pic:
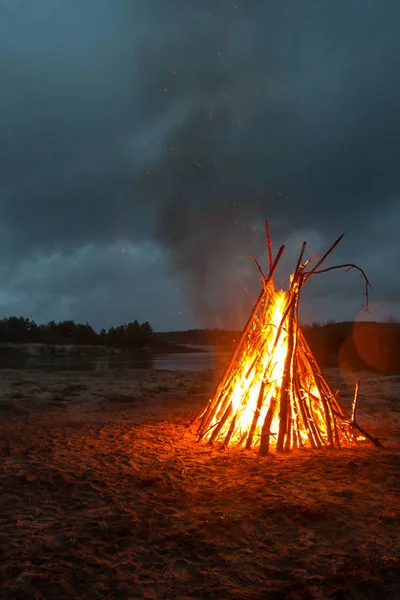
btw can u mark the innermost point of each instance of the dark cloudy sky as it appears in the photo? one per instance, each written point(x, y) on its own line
point(144, 142)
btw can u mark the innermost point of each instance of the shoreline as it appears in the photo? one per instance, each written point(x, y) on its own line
point(41, 350)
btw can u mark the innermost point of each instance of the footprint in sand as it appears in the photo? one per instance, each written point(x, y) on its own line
point(181, 569)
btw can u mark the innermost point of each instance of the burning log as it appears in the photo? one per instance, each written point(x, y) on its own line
point(273, 394)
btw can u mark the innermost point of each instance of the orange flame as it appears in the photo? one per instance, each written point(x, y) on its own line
point(255, 386)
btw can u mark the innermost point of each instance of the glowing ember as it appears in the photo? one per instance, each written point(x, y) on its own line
point(273, 394)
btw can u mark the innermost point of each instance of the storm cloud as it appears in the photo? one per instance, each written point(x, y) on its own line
point(144, 143)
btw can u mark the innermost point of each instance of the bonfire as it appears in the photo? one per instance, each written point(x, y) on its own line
point(272, 394)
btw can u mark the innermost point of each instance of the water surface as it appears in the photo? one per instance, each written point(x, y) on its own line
point(196, 361)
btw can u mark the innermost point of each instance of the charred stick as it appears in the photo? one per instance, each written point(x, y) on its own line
point(303, 247)
point(311, 414)
point(286, 393)
point(295, 364)
point(325, 405)
point(286, 388)
point(209, 414)
point(347, 267)
point(293, 368)
point(289, 431)
point(266, 428)
point(305, 416)
point(241, 439)
point(264, 279)
point(198, 415)
point(230, 431)
point(298, 413)
point(325, 256)
point(367, 435)
point(215, 411)
point(321, 399)
point(308, 403)
point(222, 422)
point(260, 400)
point(209, 429)
point(206, 418)
point(335, 423)
point(269, 244)
point(295, 438)
point(319, 440)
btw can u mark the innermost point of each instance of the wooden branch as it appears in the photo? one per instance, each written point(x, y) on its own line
point(286, 387)
point(290, 434)
point(346, 268)
point(325, 256)
point(355, 400)
point(222, 422)
point(257, 411)
point(266, 428)
point(199, 414)
point(230, 431)
point(264, 279)
point(269, 245)
point(309, 425)
point(368, 436)
point(325, 405)
point(303, 247)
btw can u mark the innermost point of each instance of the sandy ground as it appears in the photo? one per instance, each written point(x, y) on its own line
point(104, 493)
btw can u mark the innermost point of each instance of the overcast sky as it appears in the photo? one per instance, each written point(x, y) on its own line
point(144, 142)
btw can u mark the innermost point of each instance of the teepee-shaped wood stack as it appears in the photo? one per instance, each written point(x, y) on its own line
point(272, 394)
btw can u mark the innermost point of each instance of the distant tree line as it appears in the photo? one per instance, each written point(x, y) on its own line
point(201, 337)
point(363, 345)
point(22, 330)
point(360, 345)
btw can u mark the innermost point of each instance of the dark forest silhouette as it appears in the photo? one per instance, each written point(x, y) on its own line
point(21, 330)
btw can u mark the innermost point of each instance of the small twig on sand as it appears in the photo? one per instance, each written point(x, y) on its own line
point(355, 400)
